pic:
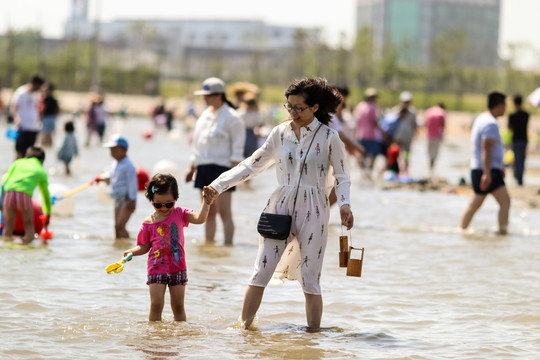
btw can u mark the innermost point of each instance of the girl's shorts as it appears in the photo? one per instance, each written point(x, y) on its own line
point(179, 278)
point(17, 200)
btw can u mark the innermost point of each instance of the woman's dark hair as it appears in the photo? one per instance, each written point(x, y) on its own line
point(317, 91)
point(69, 127)
point(35, 151)
point(225, 100)
point(161, 184)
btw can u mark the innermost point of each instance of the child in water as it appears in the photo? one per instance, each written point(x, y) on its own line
point(18, 184)
point(69, 147)
point(162, 234)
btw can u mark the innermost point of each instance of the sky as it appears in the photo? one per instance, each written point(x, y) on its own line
point(520, 19)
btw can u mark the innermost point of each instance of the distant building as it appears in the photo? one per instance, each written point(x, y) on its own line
point(193, 44)
point(412, 26)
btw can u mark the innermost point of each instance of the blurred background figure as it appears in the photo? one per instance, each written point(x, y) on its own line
point(69, 148)
point(518, 123)
point(162, 116)
point(368, 133)
point(240, 89)
point(338, 123)
point(252, 118)
point(96, 119)
point(406, 130)
point(218, 145)
point(435, 122)
point(49, 110)
point(24, 108)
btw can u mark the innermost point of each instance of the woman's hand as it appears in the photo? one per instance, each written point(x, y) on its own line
point(210, 194)
point(347, 217)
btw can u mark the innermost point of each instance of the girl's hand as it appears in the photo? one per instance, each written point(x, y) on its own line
point(347, 218)
point(126, 254)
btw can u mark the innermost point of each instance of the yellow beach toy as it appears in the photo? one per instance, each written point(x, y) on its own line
point(119, 265)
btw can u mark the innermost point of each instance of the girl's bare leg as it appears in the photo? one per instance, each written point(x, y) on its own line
point(177, 293)
point(157, 300)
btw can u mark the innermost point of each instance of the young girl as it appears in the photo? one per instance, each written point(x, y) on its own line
point(162, 233)
point(69, 147)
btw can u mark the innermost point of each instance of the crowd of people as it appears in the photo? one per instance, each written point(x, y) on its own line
point(310, 150)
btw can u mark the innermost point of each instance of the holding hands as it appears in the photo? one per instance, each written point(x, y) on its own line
point(210, 194)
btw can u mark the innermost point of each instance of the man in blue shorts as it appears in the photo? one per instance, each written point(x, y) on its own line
point(487, 174)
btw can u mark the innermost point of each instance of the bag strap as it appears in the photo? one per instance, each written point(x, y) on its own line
point(302, 169)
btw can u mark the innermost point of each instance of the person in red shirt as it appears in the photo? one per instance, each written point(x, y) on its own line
point(435, 122)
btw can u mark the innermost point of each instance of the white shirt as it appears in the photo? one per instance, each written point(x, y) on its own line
point(335, 123)
point(218, 138)
point(26, 105)
point(485, 126)
point(251, 119)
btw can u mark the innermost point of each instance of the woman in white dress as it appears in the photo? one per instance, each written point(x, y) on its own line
point(310, 103)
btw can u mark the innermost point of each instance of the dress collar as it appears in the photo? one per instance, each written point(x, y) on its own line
point(304, 130)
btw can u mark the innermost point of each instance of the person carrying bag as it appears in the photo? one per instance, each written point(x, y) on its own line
point(296, 146)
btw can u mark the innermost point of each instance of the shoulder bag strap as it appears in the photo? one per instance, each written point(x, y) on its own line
point(302, 168)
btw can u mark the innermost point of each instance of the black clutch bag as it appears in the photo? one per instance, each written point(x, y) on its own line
point(274, 226)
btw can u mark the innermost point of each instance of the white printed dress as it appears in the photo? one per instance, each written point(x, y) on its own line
point(301, 255)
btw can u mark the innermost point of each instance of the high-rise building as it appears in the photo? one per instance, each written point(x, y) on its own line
point(412, 27)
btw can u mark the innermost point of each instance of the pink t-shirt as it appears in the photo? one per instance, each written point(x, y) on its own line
point(166, 239)
point(366, 119)
point(435, 117)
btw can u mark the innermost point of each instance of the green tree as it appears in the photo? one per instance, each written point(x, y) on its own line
point(363, 58)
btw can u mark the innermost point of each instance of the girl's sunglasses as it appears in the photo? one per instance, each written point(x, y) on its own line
point(158, 205)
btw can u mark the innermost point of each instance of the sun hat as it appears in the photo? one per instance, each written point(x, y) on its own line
point(370, 92)
point(212, 85)
point(117, 140)
point(405, 96)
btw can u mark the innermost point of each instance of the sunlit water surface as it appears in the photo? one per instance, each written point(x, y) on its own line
point(428, 291)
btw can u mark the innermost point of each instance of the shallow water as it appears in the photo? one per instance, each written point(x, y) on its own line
point(427, 290)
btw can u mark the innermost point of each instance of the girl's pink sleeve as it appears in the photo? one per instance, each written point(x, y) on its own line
point(143, 237)
point(185, 216)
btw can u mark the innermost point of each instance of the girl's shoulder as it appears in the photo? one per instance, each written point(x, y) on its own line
point(177, 213)
point(149, 220)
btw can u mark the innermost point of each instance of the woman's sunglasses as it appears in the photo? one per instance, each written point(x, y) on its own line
point(158, 205)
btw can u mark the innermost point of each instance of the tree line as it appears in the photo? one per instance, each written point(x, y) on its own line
point(146, 70)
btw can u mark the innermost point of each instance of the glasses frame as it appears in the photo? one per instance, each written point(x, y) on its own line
point(159, 205)
point(289, 108)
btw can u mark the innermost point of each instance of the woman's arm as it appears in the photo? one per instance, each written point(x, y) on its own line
point(261, 159)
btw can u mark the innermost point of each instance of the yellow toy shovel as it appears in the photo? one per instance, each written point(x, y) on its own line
point(119, 265)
